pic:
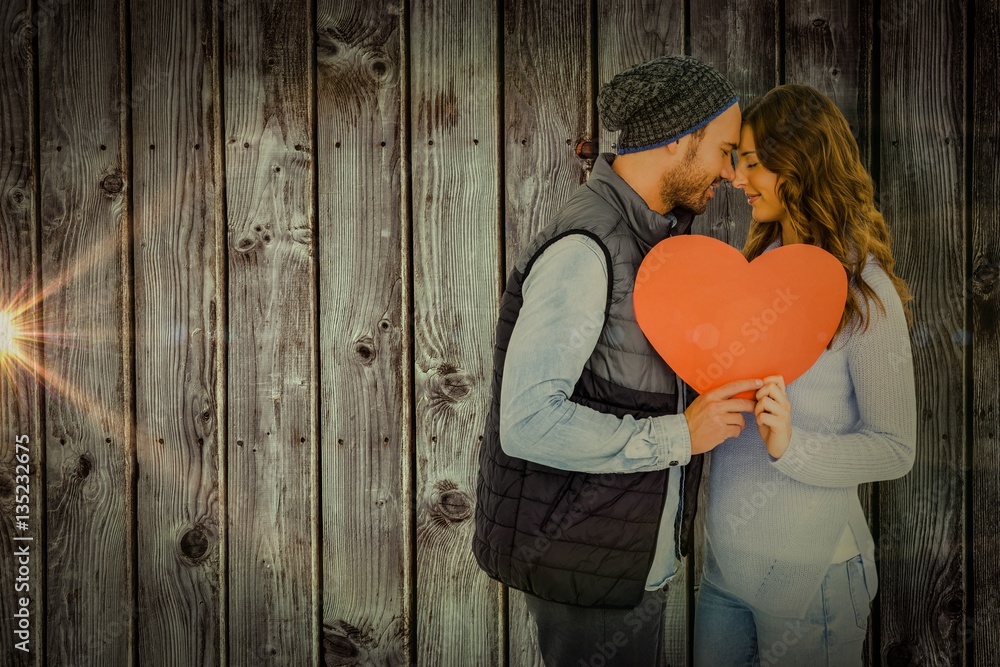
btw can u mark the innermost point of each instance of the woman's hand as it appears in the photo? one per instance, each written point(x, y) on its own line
point(774, 415)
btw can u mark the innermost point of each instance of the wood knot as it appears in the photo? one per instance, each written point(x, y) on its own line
point(112, 184)
point(380, 68)
point(587, 149)
point(452, 505)
point(819, 23)
point(984, 278)
point(84, 466)
point(364, 349)
point(900, 655)
point(344, 644)
point(194, 543)
point(17, 199)
point(955, 606)
point(246, 244)
point(6, 487)
point(449, 384)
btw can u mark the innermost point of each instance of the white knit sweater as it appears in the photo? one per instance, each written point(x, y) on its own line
point(773, 524)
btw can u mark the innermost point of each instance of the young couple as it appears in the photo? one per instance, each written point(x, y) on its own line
point(590, 466)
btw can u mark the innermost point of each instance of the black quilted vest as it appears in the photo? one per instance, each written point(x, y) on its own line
point(573, 537)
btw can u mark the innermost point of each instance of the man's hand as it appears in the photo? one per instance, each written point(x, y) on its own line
point(715, 415)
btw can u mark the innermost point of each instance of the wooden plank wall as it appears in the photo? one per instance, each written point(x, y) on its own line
point(266, 243)
point(20, 398)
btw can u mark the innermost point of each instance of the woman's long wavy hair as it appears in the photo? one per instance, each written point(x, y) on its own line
point(802, 136)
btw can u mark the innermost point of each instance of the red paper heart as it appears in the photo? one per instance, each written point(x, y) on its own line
point(715, 318)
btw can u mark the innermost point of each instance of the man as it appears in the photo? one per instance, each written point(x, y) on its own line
point(581, 492)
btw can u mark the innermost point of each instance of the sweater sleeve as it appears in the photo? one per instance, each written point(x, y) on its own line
point(882, 444)
point(557, 328)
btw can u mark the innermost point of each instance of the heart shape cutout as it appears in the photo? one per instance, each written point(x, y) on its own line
point(715, 318)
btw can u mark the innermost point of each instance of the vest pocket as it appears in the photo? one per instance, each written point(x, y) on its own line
point(565, 509)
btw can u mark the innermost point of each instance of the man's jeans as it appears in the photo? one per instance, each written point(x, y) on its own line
point(730, 633)
point(571, 636)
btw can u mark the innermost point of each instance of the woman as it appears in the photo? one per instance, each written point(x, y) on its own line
point(789, 570)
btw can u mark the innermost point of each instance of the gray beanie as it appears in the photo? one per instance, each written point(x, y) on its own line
point(658, 102)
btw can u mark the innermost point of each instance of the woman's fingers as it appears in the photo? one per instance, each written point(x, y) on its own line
point(768, 404)
point(769, 420)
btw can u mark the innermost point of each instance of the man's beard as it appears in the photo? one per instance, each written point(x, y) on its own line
point(686, 186)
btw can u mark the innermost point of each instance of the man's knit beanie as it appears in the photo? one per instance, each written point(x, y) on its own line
point(658, 102)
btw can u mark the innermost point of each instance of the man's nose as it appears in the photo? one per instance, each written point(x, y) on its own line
point(727, 173)
point(738, 179)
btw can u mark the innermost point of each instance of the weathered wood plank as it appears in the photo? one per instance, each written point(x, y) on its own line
point(629, 33)
point(548, 104)
point(85, 227)
point(456, 259)
point(20, 407)
point(828, 46)
point(922, 571)
point(272, 477)
point(985, 304)
point(738, 39)
point(177, 373)
point(363, 326)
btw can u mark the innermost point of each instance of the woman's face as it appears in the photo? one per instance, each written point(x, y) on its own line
point(759, 184)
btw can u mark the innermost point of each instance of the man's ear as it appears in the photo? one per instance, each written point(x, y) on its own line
point(674, 146)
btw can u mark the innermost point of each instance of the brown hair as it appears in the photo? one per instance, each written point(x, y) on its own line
point(802, 136)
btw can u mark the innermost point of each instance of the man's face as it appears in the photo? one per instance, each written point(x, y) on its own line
point(706, 162)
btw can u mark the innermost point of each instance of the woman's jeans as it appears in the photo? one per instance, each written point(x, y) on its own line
point(729, 632)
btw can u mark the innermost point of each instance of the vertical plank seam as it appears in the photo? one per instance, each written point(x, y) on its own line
point(41, 657)
point(501, 231)
point(314, 399)
point(687, 27)
point(407, 325)
point(875, 148)
point(128, 315)
point(779, 42)
point(595, 63)
point(967, 637)
point(221, 328)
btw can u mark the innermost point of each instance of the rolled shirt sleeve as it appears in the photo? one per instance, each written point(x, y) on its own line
point(560, 321)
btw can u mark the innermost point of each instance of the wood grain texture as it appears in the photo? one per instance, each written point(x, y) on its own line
point(985, 303)
point(85, 221)
point(738, 39)
point(456, 277)
point(548, 101)
point(364, 364)
point(628, 33)
point(828, 46)
point(922, 515)
point(20, 408)
point(273, 521)
point(547, 110)
point(176, 324)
